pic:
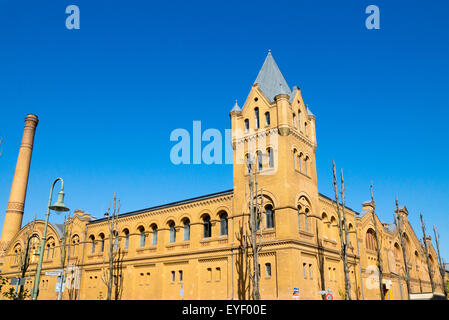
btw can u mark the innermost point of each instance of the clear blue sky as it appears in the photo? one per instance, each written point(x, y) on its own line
point(108, 96)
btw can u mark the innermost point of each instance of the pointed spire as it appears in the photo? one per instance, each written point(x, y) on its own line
point(236, 107)
point(270, 79)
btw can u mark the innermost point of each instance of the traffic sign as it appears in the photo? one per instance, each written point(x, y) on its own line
point(329, 296)
point(17, 281)
point(54, 273)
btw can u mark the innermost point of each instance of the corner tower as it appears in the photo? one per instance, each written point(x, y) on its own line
point(277, 130)
point(16, 203)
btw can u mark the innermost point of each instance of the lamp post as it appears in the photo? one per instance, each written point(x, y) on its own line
point(59, 206)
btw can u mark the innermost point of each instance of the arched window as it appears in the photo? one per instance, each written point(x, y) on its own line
point(269, 213)
point(325, 225)
point(299, 161)
point(75, 243)
point(299, 217)
point(186, 229)
point(142, 236)
point(115, 237)
point(171, 225)
point(370, 239)
point(246, 125)
point(256, 117)
point(101, 242)
point(397, 251)
point(259, 161)
point(294, 158)
point(306, 165)
point(247, 163)
point(207, 227)
point(270, 157)
point(305, 129)
point(224, 224)
point(126, 233)
point(92, 244)
point(294, 120)
point(154, 234)
point(333, 225)
point(299, 120)
point(306, 219)
point(267, 118)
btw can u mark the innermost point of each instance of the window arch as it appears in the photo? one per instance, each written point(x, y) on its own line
point(207, 226)
point(223, 224)
point(333, 225)
point(306, 219)
point(299, 120)
point(172, 231)
point(306, 131)
point(256, 118)
point(246, 125)
point(269, 216)
point(294, 120)
point(299, 216)
point(186, 223)
point(306, 165)
point(326, 224)
point(154, 234)
point(370, 239)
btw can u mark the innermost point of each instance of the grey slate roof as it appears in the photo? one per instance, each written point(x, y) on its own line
point(270, 79)
point(236, 107)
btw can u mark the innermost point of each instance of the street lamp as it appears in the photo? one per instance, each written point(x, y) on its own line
point(59, 206)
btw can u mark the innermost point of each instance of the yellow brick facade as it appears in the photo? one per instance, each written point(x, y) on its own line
point(300, 250)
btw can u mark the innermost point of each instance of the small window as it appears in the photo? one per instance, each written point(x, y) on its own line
point(209, 274)
point(126, 232)
point(294, 120)
point(173, 275)
point(180, 276)
point(259, 161)
point(268, 269)
point(310, 271)
point(246, 125)
point(102, 242)
point(218, 270)
point(304, 266)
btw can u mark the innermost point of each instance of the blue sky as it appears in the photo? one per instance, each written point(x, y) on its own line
point(109, 95)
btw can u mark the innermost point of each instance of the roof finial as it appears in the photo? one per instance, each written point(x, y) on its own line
point(269, 51)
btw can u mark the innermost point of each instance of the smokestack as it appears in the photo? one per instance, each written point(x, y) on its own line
point(16, 204)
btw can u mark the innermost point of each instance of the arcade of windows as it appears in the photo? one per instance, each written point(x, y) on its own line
point(301, 162)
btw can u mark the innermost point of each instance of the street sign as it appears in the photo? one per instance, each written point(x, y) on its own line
point(54, 273)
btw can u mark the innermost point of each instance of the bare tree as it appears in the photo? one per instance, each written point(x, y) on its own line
point(64, 247)
point(398, 223)
point(24, 256)
point(440, 263)
point(342, 230)
point(248, 239)
point(426, 251)
point(112, 275)
point(378, 246)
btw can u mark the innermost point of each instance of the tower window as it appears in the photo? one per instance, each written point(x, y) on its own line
point(256, 118)
point(269, 216)
point(246, 125)
point(267, 118)
point(294, 120)
point(270, 157)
